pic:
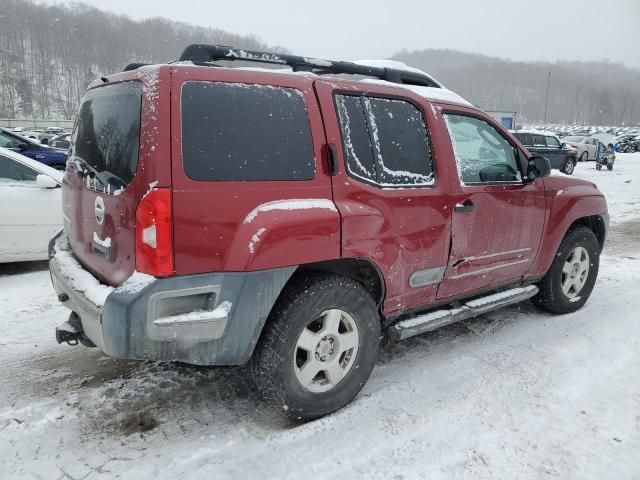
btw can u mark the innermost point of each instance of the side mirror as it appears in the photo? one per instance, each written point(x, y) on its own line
point(22, 146)
point(538, 167)
point(563, 145)
point(45, 181)
point(45, 141)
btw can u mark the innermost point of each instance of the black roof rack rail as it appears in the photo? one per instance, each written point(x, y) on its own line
point(205, 54)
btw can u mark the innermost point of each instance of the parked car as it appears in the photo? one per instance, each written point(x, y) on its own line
point(32, 210)
point(628, 144)
point(561, 156)
point(290, 221)
point(62, 141)
point(52, 157)
point(585, 146)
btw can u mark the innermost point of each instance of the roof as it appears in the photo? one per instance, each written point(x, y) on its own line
point(536, 132)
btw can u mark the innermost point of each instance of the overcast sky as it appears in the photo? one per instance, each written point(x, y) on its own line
point(343, 29)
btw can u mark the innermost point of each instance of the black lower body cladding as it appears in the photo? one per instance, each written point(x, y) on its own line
point(158, 322)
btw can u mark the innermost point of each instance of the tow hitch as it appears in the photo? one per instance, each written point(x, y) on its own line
point(72, 333)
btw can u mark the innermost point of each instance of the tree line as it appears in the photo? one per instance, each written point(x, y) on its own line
point(49, 54)
point(581, 93)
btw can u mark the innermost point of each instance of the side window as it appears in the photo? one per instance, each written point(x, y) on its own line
point(11, 171)
point(385, 141)
point(356, 141)
point(553, 142)
point(236, 132)
point(482, 154)
point(538, 141)
point(7, 141)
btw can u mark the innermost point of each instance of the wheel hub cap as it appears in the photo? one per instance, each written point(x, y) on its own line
point(326, 350)
point(575, 272)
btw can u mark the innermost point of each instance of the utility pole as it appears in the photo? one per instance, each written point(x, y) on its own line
point(546, 103)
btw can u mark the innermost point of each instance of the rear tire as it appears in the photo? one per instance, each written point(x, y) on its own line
point(610, 166)
point(584, 156)
point(569, 166)
point(318, 348)
point(570, 280)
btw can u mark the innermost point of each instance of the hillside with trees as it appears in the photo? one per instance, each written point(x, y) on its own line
point(49, 54)
point(592, 93)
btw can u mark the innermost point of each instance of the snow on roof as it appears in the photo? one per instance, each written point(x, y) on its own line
point(431, 93)
point(383, 63)
point(533, 131)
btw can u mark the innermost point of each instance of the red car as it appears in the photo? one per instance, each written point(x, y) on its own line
point(217, 216)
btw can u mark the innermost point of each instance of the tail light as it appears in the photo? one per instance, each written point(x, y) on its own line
point(154, 239)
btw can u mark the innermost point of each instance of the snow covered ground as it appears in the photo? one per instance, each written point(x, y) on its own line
point(514, 394)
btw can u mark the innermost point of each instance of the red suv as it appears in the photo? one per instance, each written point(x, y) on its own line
point(217, 216)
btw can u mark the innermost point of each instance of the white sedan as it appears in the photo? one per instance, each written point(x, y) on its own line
point(30, 207)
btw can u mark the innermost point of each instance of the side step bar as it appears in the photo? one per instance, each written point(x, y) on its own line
point(439, 318)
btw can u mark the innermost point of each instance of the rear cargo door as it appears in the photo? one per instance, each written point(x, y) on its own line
point(116, 154)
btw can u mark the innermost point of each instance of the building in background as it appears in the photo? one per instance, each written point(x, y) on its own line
point(506, 119)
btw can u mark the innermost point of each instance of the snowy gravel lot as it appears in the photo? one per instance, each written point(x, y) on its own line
point(514, 394)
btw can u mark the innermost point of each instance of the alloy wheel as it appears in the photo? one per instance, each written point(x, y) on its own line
point(326, 351)
point(575, 272)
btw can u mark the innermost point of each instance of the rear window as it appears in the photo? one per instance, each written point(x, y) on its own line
point(235, 132)
point(106, 137)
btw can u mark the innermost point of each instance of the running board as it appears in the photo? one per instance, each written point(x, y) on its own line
point(439, 318)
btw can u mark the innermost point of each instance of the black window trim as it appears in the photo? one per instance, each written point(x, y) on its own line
point(476, 116)
point(247, 83)
point(383, 186)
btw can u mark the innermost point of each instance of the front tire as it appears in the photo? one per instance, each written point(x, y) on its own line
point(318, 348)
point(570, 280)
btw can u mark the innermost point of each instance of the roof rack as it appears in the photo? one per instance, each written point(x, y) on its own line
point(202, 54)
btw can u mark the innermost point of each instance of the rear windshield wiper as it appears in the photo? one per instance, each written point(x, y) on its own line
point(84, 170)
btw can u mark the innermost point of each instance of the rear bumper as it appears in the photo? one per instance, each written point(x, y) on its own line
point(206, 319)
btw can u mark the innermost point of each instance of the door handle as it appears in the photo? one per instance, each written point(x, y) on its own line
point(464, 207)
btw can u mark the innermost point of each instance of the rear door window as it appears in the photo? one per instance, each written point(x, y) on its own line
point(12, 171)
point(356, 140)
point(538, 141)
point(106, 137)
point(525, 138)
point(236, 132)
point(385, 141)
